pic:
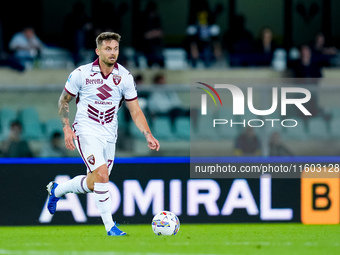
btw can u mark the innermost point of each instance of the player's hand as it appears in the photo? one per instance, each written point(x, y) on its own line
point(152, 142)
point(70, 136)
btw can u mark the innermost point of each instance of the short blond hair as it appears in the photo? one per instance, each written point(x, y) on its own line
point(107, 36)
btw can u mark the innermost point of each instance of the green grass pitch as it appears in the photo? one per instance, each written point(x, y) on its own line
point(191, 239)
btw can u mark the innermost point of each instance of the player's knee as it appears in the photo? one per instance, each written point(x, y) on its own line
point(102, 178)
point(101, 174)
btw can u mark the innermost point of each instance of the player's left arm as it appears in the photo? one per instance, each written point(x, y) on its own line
point(139, 119)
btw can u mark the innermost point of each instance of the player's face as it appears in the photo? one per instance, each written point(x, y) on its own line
point(108, 52)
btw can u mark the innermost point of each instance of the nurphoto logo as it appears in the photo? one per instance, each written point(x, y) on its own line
point(239, 108)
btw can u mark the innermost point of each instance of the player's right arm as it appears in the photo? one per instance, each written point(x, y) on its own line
point(64, 113)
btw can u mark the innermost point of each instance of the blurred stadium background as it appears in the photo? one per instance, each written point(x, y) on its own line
point(146, 181)
point(31, 95)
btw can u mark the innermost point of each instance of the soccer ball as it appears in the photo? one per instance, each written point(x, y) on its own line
point(165, 223)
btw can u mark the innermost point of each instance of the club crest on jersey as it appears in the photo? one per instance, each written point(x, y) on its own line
point(116, 79)
point(91, 159)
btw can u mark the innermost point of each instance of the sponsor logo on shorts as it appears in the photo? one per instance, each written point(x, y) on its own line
point(91, 159)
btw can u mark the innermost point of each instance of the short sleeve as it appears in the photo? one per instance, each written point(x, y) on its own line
point(73, 82)
point(130, 90)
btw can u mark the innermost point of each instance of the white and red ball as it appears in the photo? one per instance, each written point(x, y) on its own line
point(165, 223)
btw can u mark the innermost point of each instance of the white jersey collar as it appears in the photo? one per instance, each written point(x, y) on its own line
point(96, 68)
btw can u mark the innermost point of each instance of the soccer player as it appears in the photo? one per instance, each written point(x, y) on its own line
point(100, 88)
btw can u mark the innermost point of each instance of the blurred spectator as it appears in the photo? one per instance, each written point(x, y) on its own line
point(163, 101)
point(80, 31)
point(54, 148)
point(203, 35)
point(15, 146)
point(5, 58)
point(153, 36)
point(323, 54)
point(306, 66)
point(26, 46)
point(277, 147)
point(247, 143)
point(142, 94)
point(139, 79)
point(264, 48)
point(239, 43)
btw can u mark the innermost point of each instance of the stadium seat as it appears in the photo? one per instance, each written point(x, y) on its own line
point(317, 128)
point(298, 132)
point(121, 117)
point(129, 53)
point(161, 127)
point(335, 127)
point(7, 115)
point(175, 58)
point(335, 112)
point(273, 125)
point(228, 130)
point(134, 131)
point(182, 126)
point(205, 130)
point(55, 57)
point(32, 128)
point(53, 125)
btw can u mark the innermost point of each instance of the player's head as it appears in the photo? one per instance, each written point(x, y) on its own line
point(108, 47)
point(107, 36)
